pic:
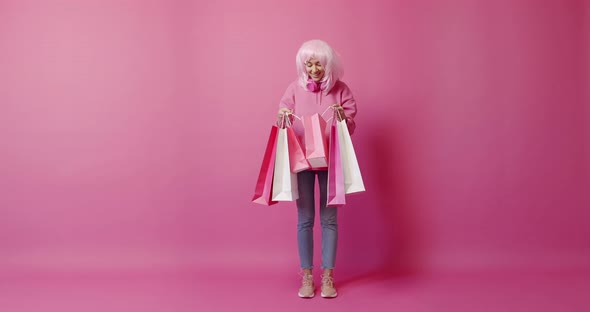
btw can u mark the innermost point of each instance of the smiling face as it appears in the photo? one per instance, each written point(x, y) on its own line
point(315, 69)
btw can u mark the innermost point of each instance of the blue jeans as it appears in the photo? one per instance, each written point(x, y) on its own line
point(306, 216)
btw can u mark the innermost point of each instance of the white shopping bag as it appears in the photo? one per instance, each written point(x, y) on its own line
point(353, 181)
point(284, 183)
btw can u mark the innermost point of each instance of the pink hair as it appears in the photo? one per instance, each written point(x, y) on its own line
point(321, 51)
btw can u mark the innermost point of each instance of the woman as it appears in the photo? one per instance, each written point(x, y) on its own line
point(317, 88)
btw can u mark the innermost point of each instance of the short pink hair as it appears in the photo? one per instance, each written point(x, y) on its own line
point(321, 51)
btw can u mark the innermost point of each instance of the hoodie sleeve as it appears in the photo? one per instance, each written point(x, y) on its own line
point(288, 99)
point(349, 105)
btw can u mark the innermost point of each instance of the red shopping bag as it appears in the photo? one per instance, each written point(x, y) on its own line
point(336, 191)
point(297, 158)
point(263, 191)
point(316, 149)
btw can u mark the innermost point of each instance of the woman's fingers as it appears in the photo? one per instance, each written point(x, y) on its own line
point(340, 109)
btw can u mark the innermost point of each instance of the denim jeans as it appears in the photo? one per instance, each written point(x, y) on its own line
point(305, 220)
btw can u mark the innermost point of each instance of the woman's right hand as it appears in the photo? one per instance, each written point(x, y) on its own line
point(282, 112)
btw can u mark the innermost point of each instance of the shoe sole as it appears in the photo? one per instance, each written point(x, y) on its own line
point(306, 297)
point(333, 296)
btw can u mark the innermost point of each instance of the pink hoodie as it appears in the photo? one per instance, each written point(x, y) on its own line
point(304, 102)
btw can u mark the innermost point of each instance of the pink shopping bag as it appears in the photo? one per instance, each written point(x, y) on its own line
point(263, 191)
point(297, 158)
point(336, 191)
point(316, 147)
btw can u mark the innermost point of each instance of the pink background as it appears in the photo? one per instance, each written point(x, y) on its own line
point(132, 133)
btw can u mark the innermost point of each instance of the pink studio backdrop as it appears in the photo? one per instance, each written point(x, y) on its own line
point(587, 81)
point(132, 133)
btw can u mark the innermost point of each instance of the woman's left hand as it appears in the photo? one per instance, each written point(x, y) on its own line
point(339, 111)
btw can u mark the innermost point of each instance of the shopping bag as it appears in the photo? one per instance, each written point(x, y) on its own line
point(353, 180)
point(284, 183)
point(336, 191)
point(297, 158)
point(263, 191)
point(316, 149)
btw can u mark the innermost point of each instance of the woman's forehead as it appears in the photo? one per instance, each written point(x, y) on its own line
point(313, 60)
